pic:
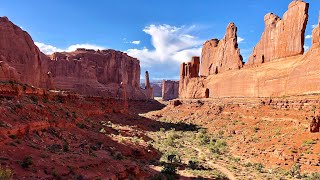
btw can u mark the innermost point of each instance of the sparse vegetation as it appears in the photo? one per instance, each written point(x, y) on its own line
point(26, 162)
point(5, 173)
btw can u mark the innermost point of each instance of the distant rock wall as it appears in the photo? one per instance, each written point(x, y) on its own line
point(220, 56)
point(98, 73)
point(85, 71)
point(282, 38)
point(170, 90)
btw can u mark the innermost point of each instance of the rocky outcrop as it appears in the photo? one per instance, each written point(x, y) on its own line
point(220, 56)
point(85, 71)
point(20, 54)
point(283, 68)
point(188, 71)
point(282, 38)
point(98, 73)
point(316, 36)
point(148, 90)
point(315, 124)
point(8, 73)
point(170, 90)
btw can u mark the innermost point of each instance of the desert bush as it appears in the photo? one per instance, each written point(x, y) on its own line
point(314, 176)
point(203, 138)
point(5, 173)
point(295, 171)
point(218, 146)
point(26, 162)
point(193, 164)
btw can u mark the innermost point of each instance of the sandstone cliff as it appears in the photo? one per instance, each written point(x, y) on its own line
point(283, 68)
point(98, 73)
point(88, 72)
point(220, 56)
point(170, 90)
point(282, 38)
point(19, 52)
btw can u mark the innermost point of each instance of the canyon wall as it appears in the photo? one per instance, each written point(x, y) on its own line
point(23, 60)
point(284, 71)
point(170, 90)
point(220, 56)
point(98, 73)
point(282, 37)
point(88, 72)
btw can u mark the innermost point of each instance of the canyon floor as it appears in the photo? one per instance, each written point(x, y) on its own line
point(92, 138)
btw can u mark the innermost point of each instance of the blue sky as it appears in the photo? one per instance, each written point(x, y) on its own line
point(162, 34)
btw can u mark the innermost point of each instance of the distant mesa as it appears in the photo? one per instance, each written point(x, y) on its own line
point(170, 90)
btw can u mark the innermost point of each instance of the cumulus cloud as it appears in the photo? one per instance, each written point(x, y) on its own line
point(306, 47)
point(308, 36)
point(49, 49)
point(136, 42)
point(314, 26)
point(170, 44)
point(240, 39)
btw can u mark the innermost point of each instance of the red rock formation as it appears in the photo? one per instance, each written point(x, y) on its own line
point(316, 36)
point(170, 90)
point(97, 73)
point(220, 56)
point(282, 38)
point(8, 73)
point(88, 72)
point(19, 52)
point(148, 90)
point(315, 124)
point(190, 69)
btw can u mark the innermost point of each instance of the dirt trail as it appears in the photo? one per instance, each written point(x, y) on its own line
point(222, 169)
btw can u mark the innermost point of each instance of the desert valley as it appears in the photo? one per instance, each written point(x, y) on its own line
point(85, 115)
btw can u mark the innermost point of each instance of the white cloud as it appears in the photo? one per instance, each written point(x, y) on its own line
point(240, 39)
point(314, 26)
point(49, 49)
point(308, 36)
point(170, 45)
point(306, 47)
point(136, 42)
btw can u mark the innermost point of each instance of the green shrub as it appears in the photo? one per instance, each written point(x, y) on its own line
point(81, 126)
point(169, 169)
point(193, 164)
point(26, 162)
point(5, 174)
point(314, 176)
point(218, 146)
point(295, 171)
point(259, 167)
point(203, 138)
point(34, 99)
